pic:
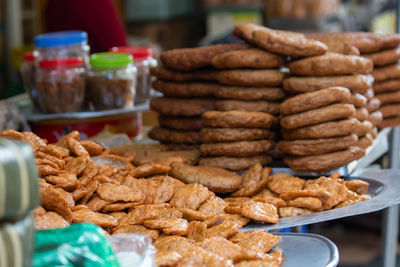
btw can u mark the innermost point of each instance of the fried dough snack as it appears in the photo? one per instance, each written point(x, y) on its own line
point(280, 42)
point(248, 58)
point(312, 100)
point(237, 149)
point(358, 100)
point(325, 162)
point(385, 57)
point(180, 123)
point(386, 73)
point(331, 64)
point(214, 135)
point(181, 107)
point(238, 119)
point(389, 122)
point(163, 73)
point(387, 86)
point(249, 93)
point(174, 136)
point(388, 98)
point(368, 42)
point(355, 83)
point(179, 89)
point(390, 110)
point(165, 209)
point(336, 42)
point(252, 106)
point(316, 146)
point(318, 115)
point(216, 179)
point(373, 105)
point(234, 163)
point(195, 58)
point(253, 78)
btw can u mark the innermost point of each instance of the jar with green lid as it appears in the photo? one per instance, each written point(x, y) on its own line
point(111, 81)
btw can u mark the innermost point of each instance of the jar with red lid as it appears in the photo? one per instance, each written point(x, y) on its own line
point(60, 85)
point(143, 60)
point(28, 73)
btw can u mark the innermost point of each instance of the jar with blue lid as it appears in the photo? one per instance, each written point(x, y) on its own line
point(63, 44)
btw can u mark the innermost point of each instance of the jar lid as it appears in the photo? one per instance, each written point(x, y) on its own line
point(137, 52)
point(110, 60)
point(30, 56)
point(51, 39)
point(64, 62)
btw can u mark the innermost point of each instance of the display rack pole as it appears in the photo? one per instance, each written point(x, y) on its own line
point(391, 214)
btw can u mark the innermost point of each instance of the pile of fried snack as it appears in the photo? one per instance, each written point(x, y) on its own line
point(157, 193)
point(311, 94)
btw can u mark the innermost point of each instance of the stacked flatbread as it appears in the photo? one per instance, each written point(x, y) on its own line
point(187, 83)
point(384, 51)
point(324, 124)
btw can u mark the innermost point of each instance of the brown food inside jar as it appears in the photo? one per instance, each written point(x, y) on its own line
point(143, 84)
point(110, 94)
point(61, 96)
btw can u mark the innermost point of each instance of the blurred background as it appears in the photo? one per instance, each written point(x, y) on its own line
point(167, 24)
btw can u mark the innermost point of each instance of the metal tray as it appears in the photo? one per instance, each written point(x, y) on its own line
point(384, 190)
point(307, 250)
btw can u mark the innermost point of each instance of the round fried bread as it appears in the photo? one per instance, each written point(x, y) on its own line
point(254, 106)
point(238, 119)
point(246, 77)
point(358, 100)
point(165, 135)
point(318, 115)
point(369, 94)
point(214, 135)
point(160, 72)
point(365, 141)
point(235, 163)
point(324, 162)
point(361, 114)
point(312, 100)
point(389, 72)
point(316, 146)
point(180, 123)
point(248, 58)
point(195, 58)
point(385, 57)
point(373, 105)
point(237, 149)
point(355, 83)
point(389, 122)
point(216, 179)
point(375, 117)
point(387, 86)
point(390, 110)
point(328, 129)
point(249, 93)
point(193, 89)
point(368, 42)
point(336, 42)
point(181, 107)
point(331, 64)
point(388, 98)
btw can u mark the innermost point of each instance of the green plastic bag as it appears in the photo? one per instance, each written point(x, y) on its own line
point(78, 245)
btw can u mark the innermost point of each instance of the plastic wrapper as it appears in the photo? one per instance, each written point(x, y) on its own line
point(17, 243)
point(133, 250)
point(77, 245)
point(19, 193)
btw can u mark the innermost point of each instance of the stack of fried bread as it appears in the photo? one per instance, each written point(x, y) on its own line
point(240, 131)
point(187, 83)
point(320, 125)
point(384, 51)
point(367, 106)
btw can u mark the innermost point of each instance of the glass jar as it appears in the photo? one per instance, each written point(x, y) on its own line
point(60, 85)
point(111, 81)
point(64, 44)
point(28, 73)
point(143, 60)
